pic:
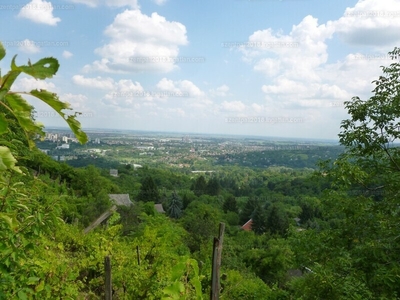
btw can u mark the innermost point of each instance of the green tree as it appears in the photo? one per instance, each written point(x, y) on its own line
point(355, 256)
point(175, 206)
point(213, 187)
point(199, 187)
point(310, 209)
point(201, 221)
point(277, 220)
point(260, 217)
point(230, 204)
point(249, 208)
point(148, 191)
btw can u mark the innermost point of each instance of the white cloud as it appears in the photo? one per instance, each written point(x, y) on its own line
point(67, 54)
point(114, 3)
point(268, 66)
point(140, 43)
point(77, 101)
point(160, 2)
point(233, 106)
point(300, 76)
point(371, 23)
point(39, 11)
point(26, 84)
point(29, 47)
point(221, 91)
point(96, 83)
point(181, 87)
point(297, 55)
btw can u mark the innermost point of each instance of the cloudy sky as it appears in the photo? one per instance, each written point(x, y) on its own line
point(249, 67)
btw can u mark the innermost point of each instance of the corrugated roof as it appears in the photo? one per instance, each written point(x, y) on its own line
point(159, 208)
point(121, 199)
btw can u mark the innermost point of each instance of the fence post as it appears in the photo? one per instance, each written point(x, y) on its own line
point(138, 255)
point(108, 282)
point(216, 263)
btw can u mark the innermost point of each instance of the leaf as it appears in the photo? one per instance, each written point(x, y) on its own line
point(7, 219)
point(42, 69)
point(3, 124)
point(33, 280)
point(40, 286)
point(22, 110)
point(7, 160)
point(2, 51)
point(52, 100)
point(22, 295)
point(174, 291)
point(7, 81)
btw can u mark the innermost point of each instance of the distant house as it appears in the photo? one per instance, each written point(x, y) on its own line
point(159, 208)
point(46, 151)
point(247, 225)
point(120, 199)
point(63, 146)
point(117, 200)
point(114, 172)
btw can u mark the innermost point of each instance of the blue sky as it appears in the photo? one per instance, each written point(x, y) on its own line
point(248, 67)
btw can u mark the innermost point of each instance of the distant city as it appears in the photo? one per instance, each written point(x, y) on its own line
point(194, 152)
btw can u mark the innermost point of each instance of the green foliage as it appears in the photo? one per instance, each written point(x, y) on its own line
point(186, 282)
point(277, 220)
point(201, 221)
point(21, 110)
point(213, 188)
point(148, 191)
point(272, 262)
point(199, 187)
point(175, 206)
point(259, 225)
point(249, 209)
point(236, 285)
point(230, 204)
point(352, 249)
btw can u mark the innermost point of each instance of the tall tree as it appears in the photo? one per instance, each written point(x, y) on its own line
point(248, 210)
point(277, 220)
point(175, 206)
point(213, 187)
point(148, 191)
point(199, 187)
point(230, 204)
point(259, 225)
point(359, 251)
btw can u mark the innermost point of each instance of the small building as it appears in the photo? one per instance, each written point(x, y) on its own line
point(120, 199)
point(114, 172)
point(159, 208)
point(63, 146)
point(117, 200)
point(247, 225)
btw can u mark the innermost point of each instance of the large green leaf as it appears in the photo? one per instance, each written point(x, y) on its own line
point(54, 102)
point(7, 160)
point(3, 124)
point(7, 80)
point(22, 110)
point(2, 51)
point(42, 69)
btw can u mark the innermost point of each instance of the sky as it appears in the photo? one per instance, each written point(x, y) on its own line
point(278, 68)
